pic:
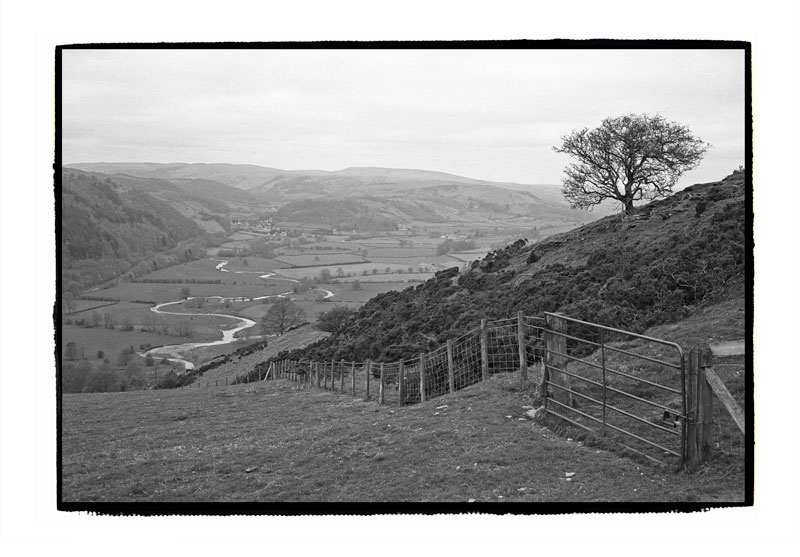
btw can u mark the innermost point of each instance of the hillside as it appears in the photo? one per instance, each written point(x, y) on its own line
point(106, 227)
point(273, 442)
point(665, 262)
point(403, 195)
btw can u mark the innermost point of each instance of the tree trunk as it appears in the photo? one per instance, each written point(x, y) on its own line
point(628, 206)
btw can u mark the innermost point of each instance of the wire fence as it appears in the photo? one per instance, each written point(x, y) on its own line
point(625, 387)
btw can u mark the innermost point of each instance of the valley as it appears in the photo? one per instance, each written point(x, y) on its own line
point(248, 242)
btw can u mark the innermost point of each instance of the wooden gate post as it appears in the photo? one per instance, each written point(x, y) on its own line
point(484, 351)
point(422, 376)
point(382, 385)
point(451, 368)
point(523, 358)
point(368, 368)
point(699, 403)
point(556, 344)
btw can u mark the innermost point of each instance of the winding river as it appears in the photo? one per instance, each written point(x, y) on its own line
point(174, 352)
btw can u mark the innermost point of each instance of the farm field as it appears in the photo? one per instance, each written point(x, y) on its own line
point(401, 280)
point(355, 271)
point(308, 260)
point(394, 263)
point(249, 287)
point(217, 445)
point(111, 342)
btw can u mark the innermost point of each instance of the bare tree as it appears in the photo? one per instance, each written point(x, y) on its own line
point(628, 158)
point(281, 316)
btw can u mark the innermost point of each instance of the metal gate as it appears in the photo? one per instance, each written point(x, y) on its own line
point(616, 384)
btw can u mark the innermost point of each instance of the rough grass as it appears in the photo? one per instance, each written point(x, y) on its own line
point(272, 441)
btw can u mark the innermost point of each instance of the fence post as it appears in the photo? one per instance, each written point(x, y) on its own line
point(523, 357)
point(316, 372)
point(341, 377)
point(422, 377)
point(382, 386)
point(451, 368)
point(699, 399)
point(353, 373)
point(484, 351)
point(368, 368)
point(400, 380)
point(555, 345)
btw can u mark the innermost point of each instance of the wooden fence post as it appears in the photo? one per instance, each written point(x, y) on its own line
point(523, 357)
point(451, 368)
point(556, 344)
point(382, 385)
point(422, 377)
point(699, 400)
point(316, 372)
point(368, 368)
point(353, 373)
point(484, 351)
point(400, 380)
point(691, 409)
point(341, 377)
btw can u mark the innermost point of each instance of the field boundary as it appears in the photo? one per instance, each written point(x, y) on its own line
point(668, 414)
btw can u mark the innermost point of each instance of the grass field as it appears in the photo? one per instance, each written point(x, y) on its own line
point(311, 259)
point(111, 342)
point(270, 441)
point(355, 271)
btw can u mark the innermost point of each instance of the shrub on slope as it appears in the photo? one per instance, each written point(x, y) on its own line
point(655, 266)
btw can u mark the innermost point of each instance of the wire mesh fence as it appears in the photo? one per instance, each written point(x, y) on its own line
point(622, 386)
point(503, 346)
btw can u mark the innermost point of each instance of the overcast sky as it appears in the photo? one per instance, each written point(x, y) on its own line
point(488, 114)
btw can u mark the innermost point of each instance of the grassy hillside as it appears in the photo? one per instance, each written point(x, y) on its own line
point(273, 442)
point(663, 263)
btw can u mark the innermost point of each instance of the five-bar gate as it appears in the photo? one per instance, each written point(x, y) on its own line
point(616, 384)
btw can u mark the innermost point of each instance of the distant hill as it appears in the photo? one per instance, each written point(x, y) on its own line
point(107, 226)
point(668, 260)
point(398, 195)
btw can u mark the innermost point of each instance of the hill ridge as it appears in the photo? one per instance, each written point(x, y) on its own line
point(664, 262)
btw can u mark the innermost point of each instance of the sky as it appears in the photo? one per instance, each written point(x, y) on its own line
point(487, 114)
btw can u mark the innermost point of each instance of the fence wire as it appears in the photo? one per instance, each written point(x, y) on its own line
point(503, 346)
point(619, 385)
point(467, 360)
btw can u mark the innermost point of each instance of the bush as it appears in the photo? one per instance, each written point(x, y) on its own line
point(169, 381)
